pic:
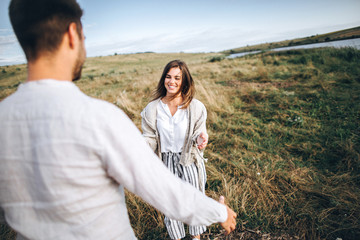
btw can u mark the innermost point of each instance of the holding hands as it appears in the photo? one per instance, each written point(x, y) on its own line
point(202, 140)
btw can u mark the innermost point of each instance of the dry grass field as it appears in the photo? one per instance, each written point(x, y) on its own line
point(284, 135)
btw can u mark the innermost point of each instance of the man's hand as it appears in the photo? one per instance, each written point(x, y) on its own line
point(230, 223)
point(202, 140)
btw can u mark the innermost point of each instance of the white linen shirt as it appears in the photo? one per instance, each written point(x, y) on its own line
point(172, 128)
point(65, 159)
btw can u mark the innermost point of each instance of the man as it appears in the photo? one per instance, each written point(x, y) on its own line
point(65, 157)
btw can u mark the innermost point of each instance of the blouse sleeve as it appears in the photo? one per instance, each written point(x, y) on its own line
point(200, 124)
point(148, 132)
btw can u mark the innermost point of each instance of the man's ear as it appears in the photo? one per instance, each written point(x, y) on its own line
point(73, 35)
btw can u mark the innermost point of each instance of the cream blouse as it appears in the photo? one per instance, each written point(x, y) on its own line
point(172, 129)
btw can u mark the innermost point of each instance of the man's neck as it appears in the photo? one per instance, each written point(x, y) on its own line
point(48, 68)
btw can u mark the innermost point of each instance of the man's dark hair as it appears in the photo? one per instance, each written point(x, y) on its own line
point(40, 25)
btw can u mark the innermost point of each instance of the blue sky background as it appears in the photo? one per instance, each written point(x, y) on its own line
point(193, 25)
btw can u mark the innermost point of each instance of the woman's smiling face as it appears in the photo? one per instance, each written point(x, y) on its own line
point(173, 81)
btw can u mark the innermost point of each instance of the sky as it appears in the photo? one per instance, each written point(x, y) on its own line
point(131, 26)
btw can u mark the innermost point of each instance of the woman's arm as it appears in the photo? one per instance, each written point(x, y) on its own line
point(148, 131)
point(202, 140)
point(200, 136)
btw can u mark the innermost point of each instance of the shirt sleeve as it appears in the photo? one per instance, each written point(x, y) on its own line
point(131, 162)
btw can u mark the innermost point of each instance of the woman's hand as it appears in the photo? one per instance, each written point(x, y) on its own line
point(202, 140)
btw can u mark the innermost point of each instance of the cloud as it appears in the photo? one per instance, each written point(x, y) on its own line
point(10, 50)
point(194, 40)
point(7, 45)
point(6, 30)
point(8, 39)
point(89, 25)
point(19, 59)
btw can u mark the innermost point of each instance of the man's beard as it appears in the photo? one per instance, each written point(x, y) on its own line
point(79, 64)
point(77, 72)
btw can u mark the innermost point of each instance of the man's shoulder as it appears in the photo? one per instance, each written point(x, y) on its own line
point(100, 103)
point(9, 104)
point(102, 107)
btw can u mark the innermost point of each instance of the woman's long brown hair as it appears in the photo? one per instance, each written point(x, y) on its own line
point(187, 88)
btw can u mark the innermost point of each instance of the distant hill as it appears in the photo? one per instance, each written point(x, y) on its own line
point(327, 37)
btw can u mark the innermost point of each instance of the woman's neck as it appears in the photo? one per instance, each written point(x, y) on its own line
point(173, 101)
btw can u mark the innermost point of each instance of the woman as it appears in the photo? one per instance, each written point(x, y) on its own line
point(174, 125)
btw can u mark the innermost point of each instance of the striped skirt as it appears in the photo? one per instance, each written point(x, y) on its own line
point(190, 174)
